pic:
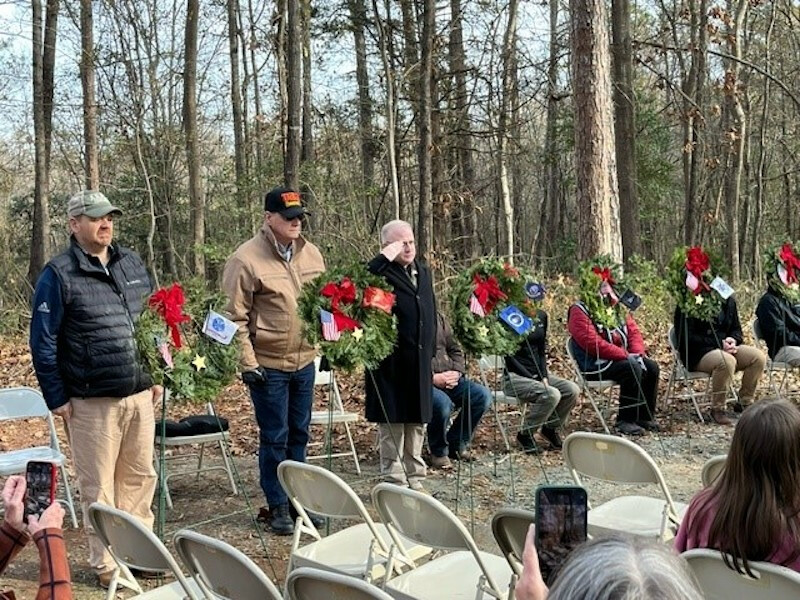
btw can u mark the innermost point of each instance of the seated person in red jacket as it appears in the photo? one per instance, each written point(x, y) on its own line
point(752, 511)
point(54, 580)
point(607, 345)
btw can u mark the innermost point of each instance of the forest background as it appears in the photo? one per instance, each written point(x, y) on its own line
point(546, 132)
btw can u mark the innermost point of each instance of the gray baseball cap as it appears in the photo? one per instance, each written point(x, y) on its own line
point(90, 203)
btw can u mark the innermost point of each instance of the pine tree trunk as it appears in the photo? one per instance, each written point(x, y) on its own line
point(294, 89)
point(196, 195)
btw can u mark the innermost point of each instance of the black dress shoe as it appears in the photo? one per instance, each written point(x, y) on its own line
point(649, 425)
point(551, 435)
point(528, 444)
point(315, 519)
point(628, 428)
point(738, 407)
point(279, 521)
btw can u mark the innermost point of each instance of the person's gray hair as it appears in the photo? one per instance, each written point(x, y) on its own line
point(624, 568)
point(391, 226)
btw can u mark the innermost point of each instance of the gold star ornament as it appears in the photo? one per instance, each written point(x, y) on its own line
point(698, 299)
point(358, 333)
point(199, 362)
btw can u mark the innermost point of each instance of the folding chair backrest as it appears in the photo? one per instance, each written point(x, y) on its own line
point(611, 458)
point(757, 334)
point(718, 582)
point(27, 403)
point(130, 542)
point(321, 491)
point(510, 528)
point(491, 367)
point(222, 569)
point(306, 583)
point(712, 469)
point(568, 345)
point(327, 378)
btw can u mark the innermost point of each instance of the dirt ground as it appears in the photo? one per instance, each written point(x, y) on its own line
point(473, 490)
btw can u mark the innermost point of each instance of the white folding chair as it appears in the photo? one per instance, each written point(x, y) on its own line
point(680, 375)
point(600, 392)
point(510, 528)
point(221, 438)
point(719, 582)
point(712, 469)
point(463, 573)
point(491, 368)
point(772, 365)
point(306, 583)
point(27, 403)
point(615, 459)
point(335, 414)
point(134, 546)
point(222, 571)
point(364, 550)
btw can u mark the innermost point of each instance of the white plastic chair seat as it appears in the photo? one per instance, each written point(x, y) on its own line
point(204, 438)
point(14, 461)
point(436, 579)
point(323, 417)
point(347, 551)
point(638, 515)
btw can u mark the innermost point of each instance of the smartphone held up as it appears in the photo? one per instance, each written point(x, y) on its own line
point(560, 525)
point(41, 482)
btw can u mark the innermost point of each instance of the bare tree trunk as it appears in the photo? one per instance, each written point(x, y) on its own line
point(358, 20)
point(42, 128)
point(308, 108)
point(425, 148)
point(735, 132)
point(259, 126)
point(549, 219)
point(391, 115)
point(92, 166)
point(236, 108)
point(598, 203)
point(196, 195)
point(694, 113)
point(458, 66)
point(625, 127)
point(509, 47)
point(294, 88)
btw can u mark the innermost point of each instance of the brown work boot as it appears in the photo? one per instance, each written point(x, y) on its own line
point(719, 416)
point(104, 579)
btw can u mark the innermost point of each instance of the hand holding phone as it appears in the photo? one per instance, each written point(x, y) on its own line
point(560, 525)
point(14, 501)
point(40, 478)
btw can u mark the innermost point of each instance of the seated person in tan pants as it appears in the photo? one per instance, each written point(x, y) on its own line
point(715, 347)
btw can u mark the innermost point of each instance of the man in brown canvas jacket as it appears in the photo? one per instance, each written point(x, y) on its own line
point(263, 279)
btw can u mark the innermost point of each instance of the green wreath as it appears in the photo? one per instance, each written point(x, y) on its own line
point(361, 329)
point(782, 263)
point(499, 285)
point(175, 351)
point(690, 266)
point(592, 274)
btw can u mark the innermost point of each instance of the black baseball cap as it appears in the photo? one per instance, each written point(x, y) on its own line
point(285, 201)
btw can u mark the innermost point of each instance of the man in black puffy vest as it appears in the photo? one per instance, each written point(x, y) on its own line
point(85, 306)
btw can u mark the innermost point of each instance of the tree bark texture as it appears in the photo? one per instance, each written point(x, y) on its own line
point(308, 107)
point(196, 194)
point(509, 47)
point(294, 89)
point(424, 229)
point(596, 176)
point(625, 127)
point(236, 106)
point(87, 69)
point(358, 22)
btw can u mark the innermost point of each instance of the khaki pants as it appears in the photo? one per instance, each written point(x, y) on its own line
point(400, 446)
point(721, 366)
point(112, 447)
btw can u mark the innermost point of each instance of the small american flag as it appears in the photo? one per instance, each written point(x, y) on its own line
point(475, 306)
point(329, 329)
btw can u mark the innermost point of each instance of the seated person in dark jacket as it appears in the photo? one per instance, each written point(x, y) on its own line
point(715, 347)
point(453, 389)
point(549, 398)
point(778, 310)
point(607, 345)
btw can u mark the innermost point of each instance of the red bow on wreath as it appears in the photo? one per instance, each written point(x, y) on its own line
point(604, 274)
point(697, 262)
point(377, 298)
point(790, 262)
point(344, 292)
point(488, 292)
point(168, 303)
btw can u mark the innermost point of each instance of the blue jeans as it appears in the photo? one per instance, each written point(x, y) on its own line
point(460, 432)
point(283, 411)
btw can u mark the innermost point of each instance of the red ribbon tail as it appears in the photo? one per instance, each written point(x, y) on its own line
point(176, 336)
